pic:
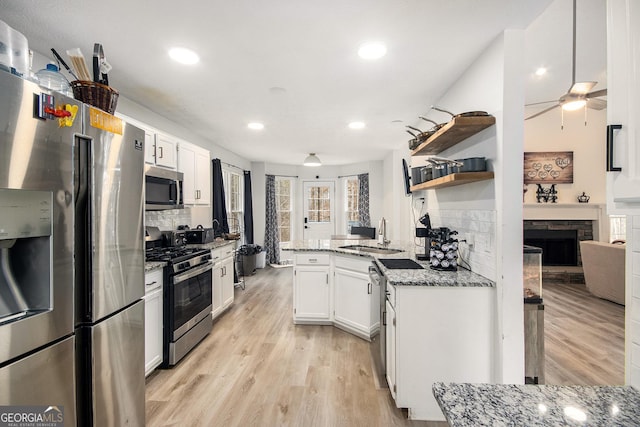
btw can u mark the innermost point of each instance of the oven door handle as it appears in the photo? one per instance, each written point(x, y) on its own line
point(192, 273)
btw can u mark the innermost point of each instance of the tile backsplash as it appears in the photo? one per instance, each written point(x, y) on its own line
point(168, 219)
point(477, 227)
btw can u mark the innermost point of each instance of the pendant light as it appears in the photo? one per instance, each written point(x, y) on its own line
point(312, 160)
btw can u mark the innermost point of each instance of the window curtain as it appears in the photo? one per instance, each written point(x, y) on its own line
point(271, 236)
point(248, 209)
point(219, 206)
point(363, 200)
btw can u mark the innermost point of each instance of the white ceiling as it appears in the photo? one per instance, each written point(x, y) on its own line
point(293, 65)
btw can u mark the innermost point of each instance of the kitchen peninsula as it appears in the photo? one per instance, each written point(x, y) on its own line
point(439, 324)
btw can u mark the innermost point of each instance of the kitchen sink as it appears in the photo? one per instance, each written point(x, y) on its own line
point(371, 249)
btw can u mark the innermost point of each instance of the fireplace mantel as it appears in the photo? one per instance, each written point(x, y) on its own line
point(595, 212)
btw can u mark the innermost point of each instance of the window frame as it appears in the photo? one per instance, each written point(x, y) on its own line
point(292, 182)
point(355, 195)
point(236, 225)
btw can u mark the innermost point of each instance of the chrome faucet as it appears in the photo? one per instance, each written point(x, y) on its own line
point(382, 233)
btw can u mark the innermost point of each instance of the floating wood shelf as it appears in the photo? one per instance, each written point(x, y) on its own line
point(452, 180)
point(457, 130)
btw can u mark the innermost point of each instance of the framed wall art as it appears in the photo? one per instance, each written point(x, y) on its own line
point(548, 167)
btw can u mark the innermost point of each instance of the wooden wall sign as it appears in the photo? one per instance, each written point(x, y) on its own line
point(548, 167)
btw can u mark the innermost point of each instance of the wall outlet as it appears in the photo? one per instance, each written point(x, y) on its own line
point(469, 237)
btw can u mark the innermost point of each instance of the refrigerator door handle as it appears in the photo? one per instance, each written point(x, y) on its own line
point(83, 232)
point(610, 166)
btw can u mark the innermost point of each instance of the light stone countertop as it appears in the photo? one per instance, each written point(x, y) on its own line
point(153, 265)
point(218, 243)
point(472, 405)
point(397, 277)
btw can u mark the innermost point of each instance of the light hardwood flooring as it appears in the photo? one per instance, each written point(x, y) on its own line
point(584, 337)
point(258, 369)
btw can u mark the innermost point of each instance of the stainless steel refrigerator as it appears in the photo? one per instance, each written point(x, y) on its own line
point(71, 292)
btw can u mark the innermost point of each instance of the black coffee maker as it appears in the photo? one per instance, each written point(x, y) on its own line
point(440, 248)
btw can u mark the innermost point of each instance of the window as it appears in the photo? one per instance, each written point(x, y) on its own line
point(233, 186)
point(617, 227)
point(352, 188)
point(319, 201)
point(284, 207)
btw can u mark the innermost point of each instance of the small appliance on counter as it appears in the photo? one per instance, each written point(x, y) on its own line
point(172, 238)
point(199, 235)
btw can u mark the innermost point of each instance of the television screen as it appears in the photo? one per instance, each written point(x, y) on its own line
point(405, 169)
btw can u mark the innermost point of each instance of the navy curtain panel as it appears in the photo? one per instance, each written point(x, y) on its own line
point(248, 209)
point(219, 207)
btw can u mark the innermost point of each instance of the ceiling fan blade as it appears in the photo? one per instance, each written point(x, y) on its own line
point(596, 104)
point(538, 103)
point(597, 93)
point(542, 112)
point(581, 88)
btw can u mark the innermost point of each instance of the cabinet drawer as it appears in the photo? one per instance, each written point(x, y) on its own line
point(312, 259)
point(153, 280)
point(359, 264)
point(218, 254)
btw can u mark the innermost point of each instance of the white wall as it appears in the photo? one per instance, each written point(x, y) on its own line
point(485, 210)
point(325, 173)
point(588, 143)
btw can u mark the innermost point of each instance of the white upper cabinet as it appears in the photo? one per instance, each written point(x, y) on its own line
point(149, 147)
point(165, 151)
point(623, 109)
point(195, 163)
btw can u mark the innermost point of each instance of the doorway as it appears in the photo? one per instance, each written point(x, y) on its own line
point(319, 209)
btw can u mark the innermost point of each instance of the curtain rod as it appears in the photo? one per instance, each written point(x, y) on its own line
point(346, 176)
point(285, 176)
point(233, 166)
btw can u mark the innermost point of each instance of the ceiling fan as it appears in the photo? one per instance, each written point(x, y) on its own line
point(579, 93)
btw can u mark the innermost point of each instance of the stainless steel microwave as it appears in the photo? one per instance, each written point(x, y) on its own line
point(163, 189)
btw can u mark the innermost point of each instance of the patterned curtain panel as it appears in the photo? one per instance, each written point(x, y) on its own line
point(363, 200)
point(271, 236)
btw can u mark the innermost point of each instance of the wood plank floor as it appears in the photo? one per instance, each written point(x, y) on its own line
point(584, 337)
point(258, 369)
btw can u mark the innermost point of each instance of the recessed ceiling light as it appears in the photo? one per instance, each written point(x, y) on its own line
point(541, 71)
point(356, 125)
point(183, 55)
point(372, 50)
point(255, 126)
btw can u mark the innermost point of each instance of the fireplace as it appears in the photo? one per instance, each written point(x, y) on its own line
point(559, 247)
point(559, 239)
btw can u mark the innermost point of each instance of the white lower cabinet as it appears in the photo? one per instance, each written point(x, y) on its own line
point(335, 290)
point(153, 320)
point(222, 294)
point(437, 334)
point(391, 348)
point(311, 294)
point(356, 300)
point(226, 267)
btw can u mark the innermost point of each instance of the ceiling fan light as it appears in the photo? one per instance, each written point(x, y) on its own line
point(312, 160)
point(574, 105)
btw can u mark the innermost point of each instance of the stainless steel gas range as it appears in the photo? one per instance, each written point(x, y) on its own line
point(187, 297)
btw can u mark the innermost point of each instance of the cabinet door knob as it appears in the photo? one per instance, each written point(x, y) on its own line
point(161, 153)
point(369, 288)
